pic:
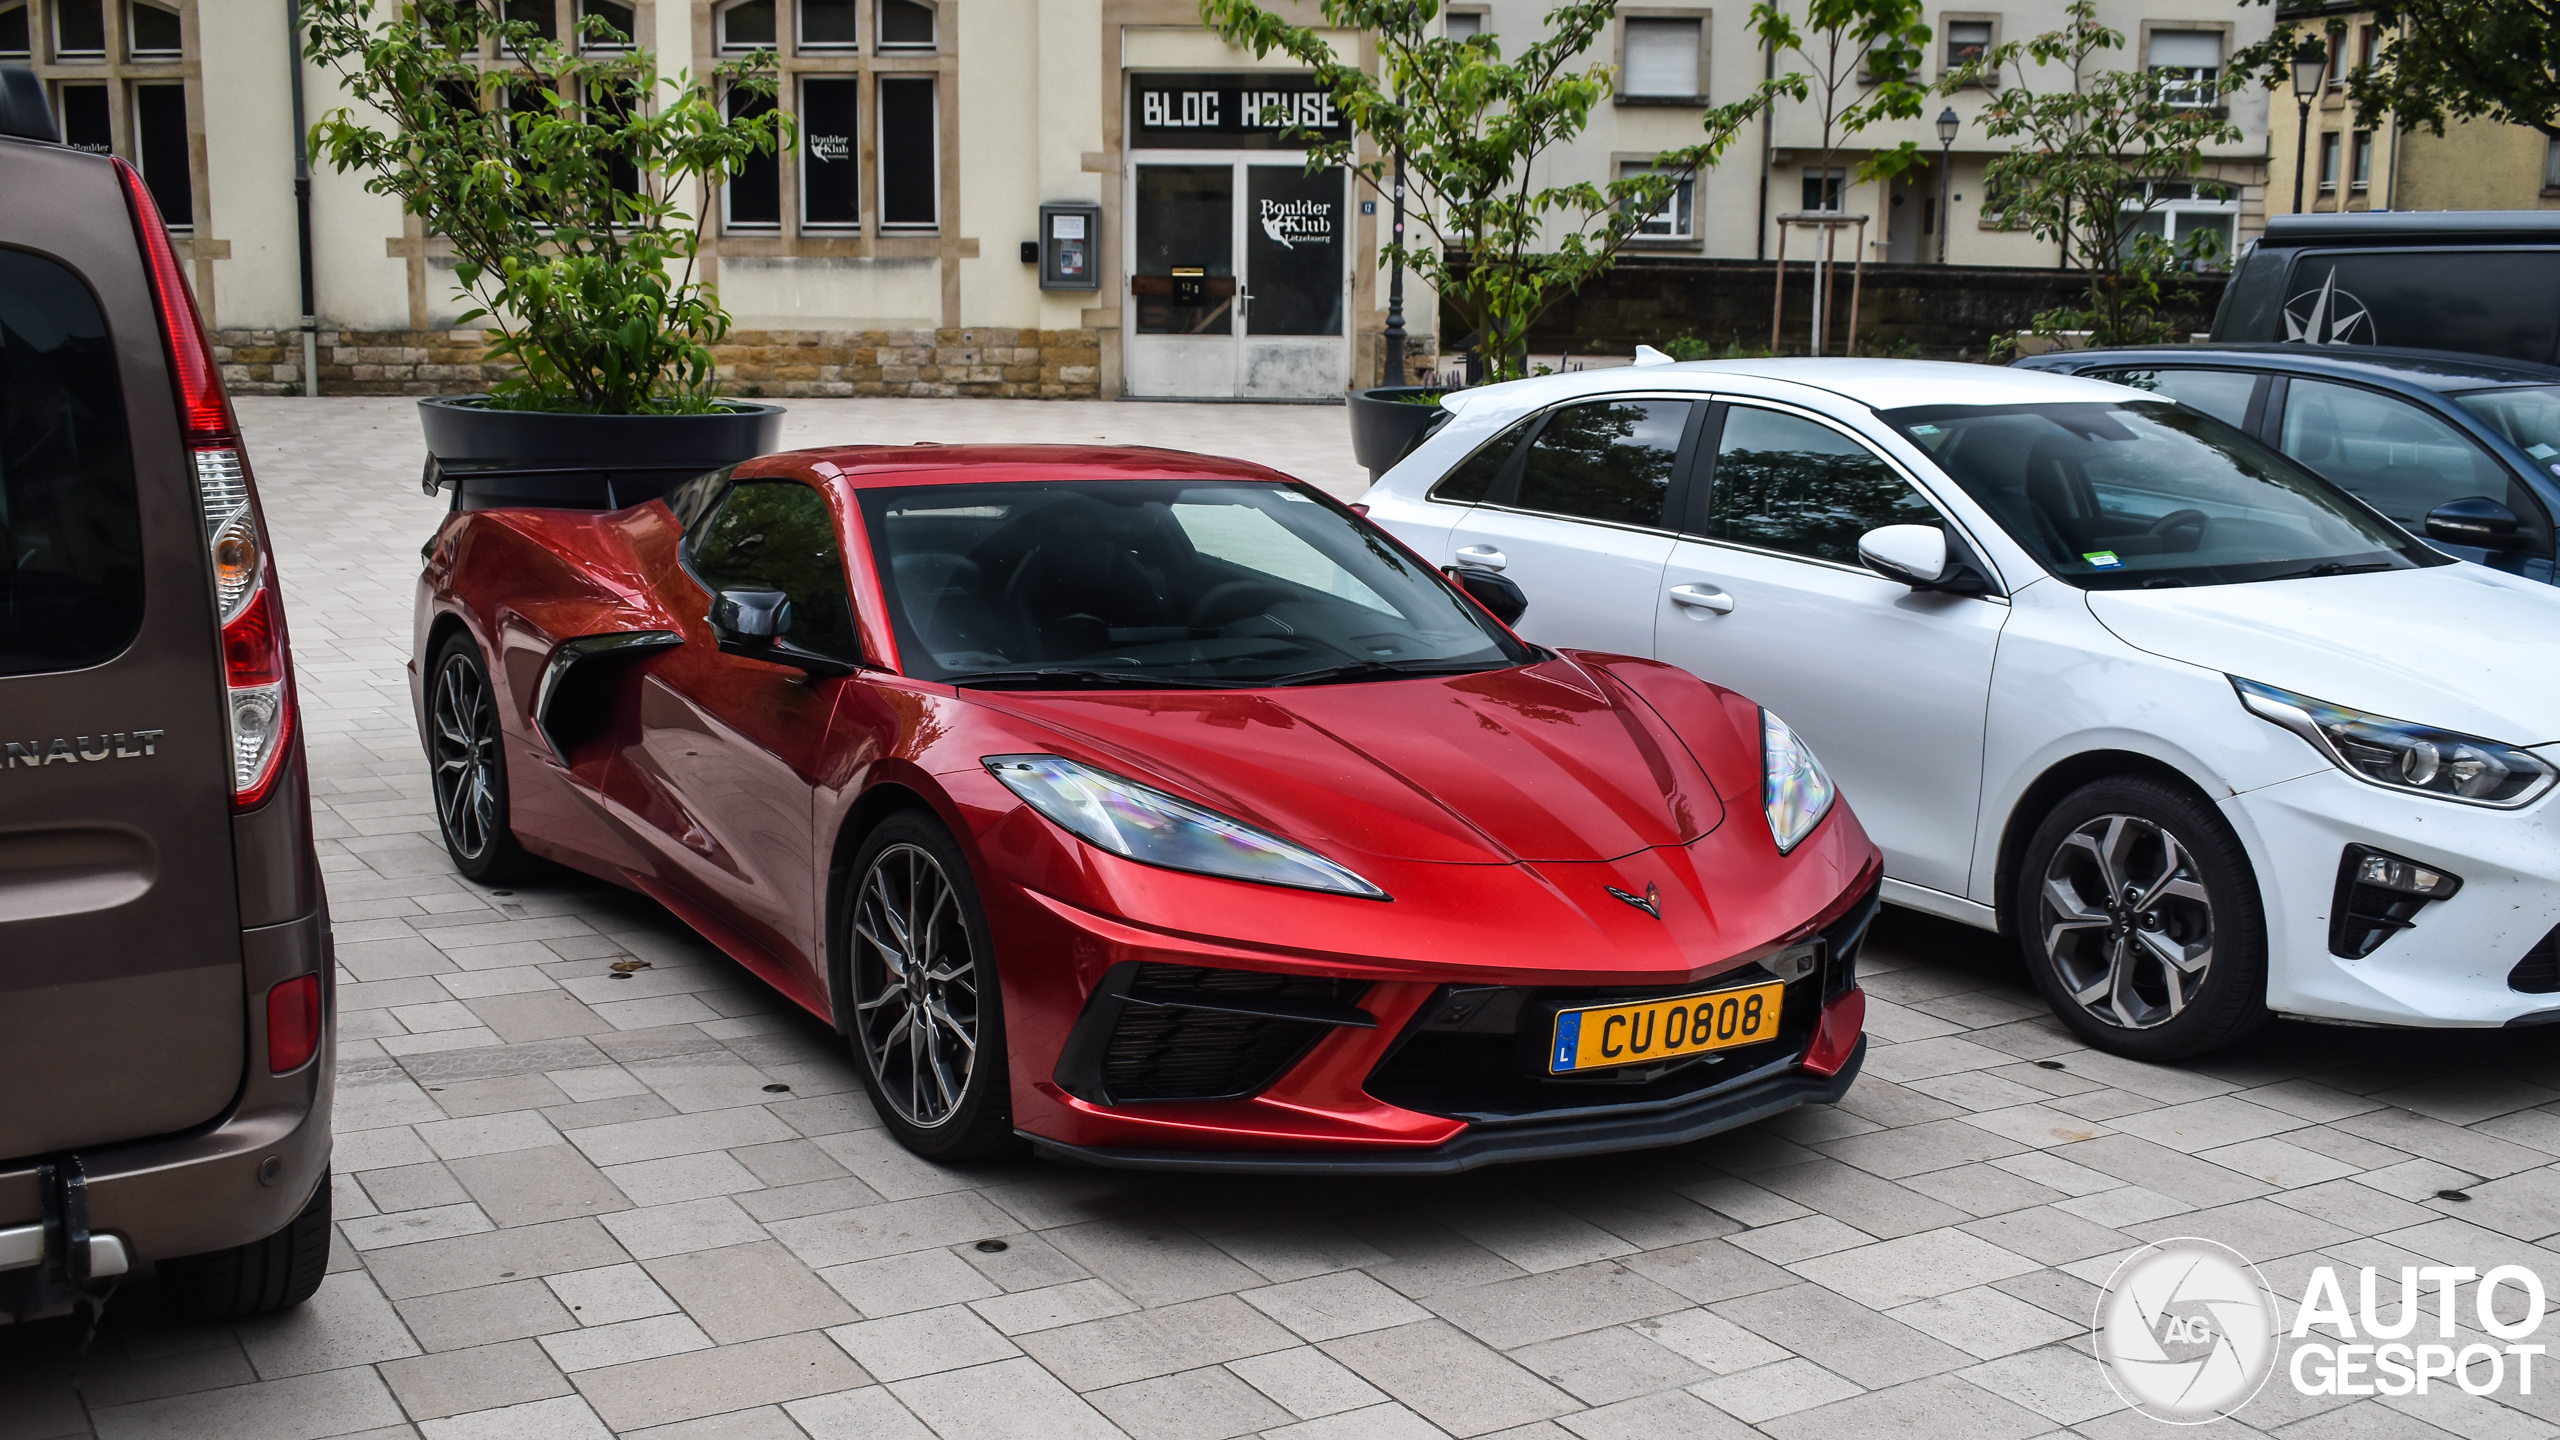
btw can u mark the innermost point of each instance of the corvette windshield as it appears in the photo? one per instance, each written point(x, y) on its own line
point(1131, 583)
point(2112, 496)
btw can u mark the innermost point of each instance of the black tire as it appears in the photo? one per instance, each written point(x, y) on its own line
point(909, 877)
point(467, 767)
point(258, 1278)
point(2138, 914)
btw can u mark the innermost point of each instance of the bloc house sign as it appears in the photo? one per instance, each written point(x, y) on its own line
point(1248, 110)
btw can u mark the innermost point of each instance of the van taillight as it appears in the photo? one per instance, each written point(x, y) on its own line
point(293, 1023)
point(257, 668)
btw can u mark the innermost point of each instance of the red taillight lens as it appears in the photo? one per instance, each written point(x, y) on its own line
point(1836, 1039)
point(257, 670)
point(202, 407)
point(293, 1023)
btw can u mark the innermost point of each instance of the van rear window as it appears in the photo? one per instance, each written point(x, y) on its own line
point(2503, 302)
point(70, 537)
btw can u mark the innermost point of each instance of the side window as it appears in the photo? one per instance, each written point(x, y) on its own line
point(2396, 457)
point(2222, 394)
point(1473, 480)
point(70, 535)
point(1787, 484)
point(1607, 460)
point(777, 535)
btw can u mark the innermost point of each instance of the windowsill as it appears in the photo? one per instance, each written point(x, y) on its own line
point(751, 227)
point(909, 231)
point(908, 49)
point(1663, 102)
point(830, 51)
point(1659, 243)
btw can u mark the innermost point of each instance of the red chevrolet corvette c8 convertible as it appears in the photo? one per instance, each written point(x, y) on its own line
point(1153, 808)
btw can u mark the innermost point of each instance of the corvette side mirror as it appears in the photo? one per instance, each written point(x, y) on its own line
point(748, 622)
point(2474, 520)
point(1499, 594)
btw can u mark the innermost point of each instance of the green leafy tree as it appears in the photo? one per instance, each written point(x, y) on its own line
point(1862, 61)
point(557, 177)
point(2440, 60)
point(1471, 123)
point(2092, 163)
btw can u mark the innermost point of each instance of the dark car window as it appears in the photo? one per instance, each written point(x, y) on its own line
point(70, 533)
point(2116, 496)
point(1785, 483)
point(2484, 302)
point(1608, 460)
point(2527, 416)
point(778, 535)
point(2222, 394)
point(1214, 583)
point(2396, 457)
point(1473, 478)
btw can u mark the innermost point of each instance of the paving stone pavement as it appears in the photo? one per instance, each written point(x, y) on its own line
point(572, 1205)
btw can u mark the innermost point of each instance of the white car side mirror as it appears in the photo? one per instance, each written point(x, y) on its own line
point(1916, 555)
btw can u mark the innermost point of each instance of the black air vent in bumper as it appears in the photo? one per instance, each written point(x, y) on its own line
point(1181, 1032)
point(2538, 973)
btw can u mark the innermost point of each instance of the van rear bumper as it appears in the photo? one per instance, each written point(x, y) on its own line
point(213, 1187)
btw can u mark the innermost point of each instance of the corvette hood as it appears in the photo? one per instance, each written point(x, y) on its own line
point(2458, 646)
point(1546, 763)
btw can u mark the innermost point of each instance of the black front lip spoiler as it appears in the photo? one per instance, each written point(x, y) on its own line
point(1480, 1146)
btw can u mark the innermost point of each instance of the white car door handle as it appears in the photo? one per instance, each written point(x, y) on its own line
point(1482, 557)
point(1702, 597)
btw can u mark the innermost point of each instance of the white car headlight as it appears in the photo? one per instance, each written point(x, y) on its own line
point(1144, 824)
point(2398, 755)
point(1793, 788)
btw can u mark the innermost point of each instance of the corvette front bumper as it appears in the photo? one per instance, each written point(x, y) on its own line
point(1776, 1088)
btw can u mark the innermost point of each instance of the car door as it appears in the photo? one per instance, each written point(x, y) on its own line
point(735, 746)
point(2404, 460)
point(1580, 516)
point(1765, 595)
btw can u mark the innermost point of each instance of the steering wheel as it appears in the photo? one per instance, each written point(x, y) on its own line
point(2176, 520)
point(1212, 607)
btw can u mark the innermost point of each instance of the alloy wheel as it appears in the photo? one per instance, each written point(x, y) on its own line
point(915, 985)
point(2126, 921)
point(465, 750)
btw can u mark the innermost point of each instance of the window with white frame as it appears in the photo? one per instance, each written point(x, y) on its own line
point(542, 15)
point(2329, 162)
point(17, 40)
point(2187, 66)
point(830, 152)
point(910, 170)
point(1662, 58)
point(151, 31)
point(1822, 187)
point(746, 27)
point(827, 27)
point(752, 199)
point(160, 150)
point(906, 25)
point(2176, 210)
point(616, 16)
point(79, 29)
point(1462, 24)
point(2551, 166)
point(1968, 43)
point(2360, 161)
point(1674, 218)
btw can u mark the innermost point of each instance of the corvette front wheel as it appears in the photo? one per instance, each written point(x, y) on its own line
point(927, 1019)
point(468, 767)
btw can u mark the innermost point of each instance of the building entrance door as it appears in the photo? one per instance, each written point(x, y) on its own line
point(1239, 281)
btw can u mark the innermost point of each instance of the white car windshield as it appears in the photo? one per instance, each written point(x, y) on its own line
point(2123, 495)
point(1175, 583)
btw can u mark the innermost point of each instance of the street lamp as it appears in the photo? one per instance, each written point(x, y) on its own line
point(1394, 339)
point(2310, 63)
point(1948, 125)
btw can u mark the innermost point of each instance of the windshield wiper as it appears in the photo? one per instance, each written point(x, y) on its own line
point(1384, 670)
point(1073, 679)
point(2331, 567)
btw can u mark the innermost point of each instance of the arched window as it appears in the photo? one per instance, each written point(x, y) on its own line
point(16, 41)
point(906, 25)
point(747, 26)
point(827, 26)
point(151, 31)
point(616, 15)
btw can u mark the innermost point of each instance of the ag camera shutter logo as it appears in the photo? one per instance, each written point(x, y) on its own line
point(2186, 1331)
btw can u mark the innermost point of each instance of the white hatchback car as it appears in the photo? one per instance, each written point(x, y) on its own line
point(2202, 731)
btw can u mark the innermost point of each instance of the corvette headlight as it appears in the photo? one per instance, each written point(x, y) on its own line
point(1144, 824)
point(2398, 755)
point(1793, 789)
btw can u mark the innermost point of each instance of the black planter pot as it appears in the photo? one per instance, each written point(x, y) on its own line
point(1386, 424)
point(495, 458)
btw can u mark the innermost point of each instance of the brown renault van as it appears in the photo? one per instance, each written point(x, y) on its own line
point(165, 1001)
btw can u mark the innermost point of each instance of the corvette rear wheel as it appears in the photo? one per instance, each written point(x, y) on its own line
point(467, 761)
point(927, 1019)
point(2139, 918)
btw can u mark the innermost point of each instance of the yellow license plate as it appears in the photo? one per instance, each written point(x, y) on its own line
point(1600, 1037)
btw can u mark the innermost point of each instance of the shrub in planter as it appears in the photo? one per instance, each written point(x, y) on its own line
point(558, 173)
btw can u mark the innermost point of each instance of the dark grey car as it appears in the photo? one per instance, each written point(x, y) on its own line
point(164, 958)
